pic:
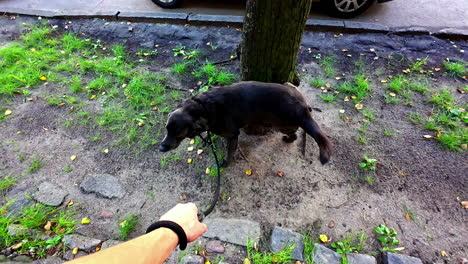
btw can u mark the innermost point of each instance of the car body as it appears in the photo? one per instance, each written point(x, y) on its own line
point(336, 8)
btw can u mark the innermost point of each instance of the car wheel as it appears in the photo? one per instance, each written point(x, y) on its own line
point(167, 3)
point(346, 8)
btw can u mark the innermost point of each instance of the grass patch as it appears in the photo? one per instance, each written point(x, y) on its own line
point(5, 183)
point(309, 248)
point(358, 89)
point(282, 257)
point(126, 226)
point(33, 220)
point(455, 69)
point(328, 67)
point(35, 165)
point(350, 244)
point(318, 82)
point(328, 97)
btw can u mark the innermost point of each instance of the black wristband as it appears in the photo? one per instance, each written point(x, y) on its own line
point(174, 227)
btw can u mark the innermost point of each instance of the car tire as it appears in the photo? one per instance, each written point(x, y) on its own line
point(341, 8)
point(168, 3)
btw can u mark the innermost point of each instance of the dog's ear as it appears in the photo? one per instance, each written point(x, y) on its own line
point(201, 124)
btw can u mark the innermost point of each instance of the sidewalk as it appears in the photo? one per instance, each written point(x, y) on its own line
point(416, 15)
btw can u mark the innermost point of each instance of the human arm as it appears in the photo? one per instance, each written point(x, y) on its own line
point(154, 247)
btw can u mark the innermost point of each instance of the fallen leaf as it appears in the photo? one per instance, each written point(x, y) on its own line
point(461, 91)
point(92, 97)
point(443, 253)
point(73, 157)
point(464, 204)
point(327, 85)
point(323, 238)
point(47, 226)
point(207, 171)
point(199, 83)
point(141, 124)
point(207, 262)
point(106, 151)
point(190, 148)
point(8, 112)
point(359, 106)
point(189, 161)
point(349, 55)
point(192, 141)
point(372, 50)
point(246, 261)
point(280, 173)
point(85, 221)
point(438, 134)
point(248, 172)
point(437, 69)
point(464, 146)
point(376, 58)
point(342, 111)
point(75, 251)
point(392, 94)
point(16, 246)
point(353, 97)
point(346, 99)
point(98, 248)
point(43, 78)
point(70, 203)
point(61, 230)
point(200, 151)
point(406, 71)
point(183, 197)
point(154, 108)
point(383, 81)
point(337, 77)
point(61, 104)
point(427, 136)
point(407, 217)
point(399, 248)
point(344, 50)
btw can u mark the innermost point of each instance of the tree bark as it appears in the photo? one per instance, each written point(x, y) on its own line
point(271, 36)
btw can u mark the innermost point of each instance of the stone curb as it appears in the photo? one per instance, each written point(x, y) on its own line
point(219, 20)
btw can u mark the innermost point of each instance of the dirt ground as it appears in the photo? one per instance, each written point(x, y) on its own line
point(412, 172)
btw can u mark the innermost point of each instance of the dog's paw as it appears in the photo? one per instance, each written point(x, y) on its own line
point(224, 163)
point(290, 138)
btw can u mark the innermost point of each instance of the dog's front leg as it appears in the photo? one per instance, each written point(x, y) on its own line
point(231, 149)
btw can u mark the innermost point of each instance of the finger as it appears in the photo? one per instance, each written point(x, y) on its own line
point(196, 232)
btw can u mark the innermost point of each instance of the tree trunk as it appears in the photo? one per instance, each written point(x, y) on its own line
point(271, 36)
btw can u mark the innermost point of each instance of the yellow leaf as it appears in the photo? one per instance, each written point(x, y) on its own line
point(200, 151)
point(85, 221)
point(353, 97)
point(61, 104)
point(189, 161)
point(443, 253)
point(323, 238)
point(192, 141)
point(16, 246)
point(344, 50)
point(47, 226)
point(183, 197)
point(346, 99)
point(207, 171)
point(33, 49)
point(399, 248)
point(427, 136)
point(246, 261)
point(437, 69)
point(190, 149)
point(75, 251)
point(464, 204)
point(342, 111)
point(8, 112)
point(70, 203)
point(98, 248)
point(91, 97)
point(392, 94)
point(407, 217)
point(327, 85)
point(248, 172)
point(106, 151)
point(73, 157)
point(372, 50)
point(207, 262)
point(359, 106)
point(383, 81)
point(43, 78)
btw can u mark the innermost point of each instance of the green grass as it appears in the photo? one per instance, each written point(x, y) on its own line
point(35, 165)
point(67, 169)
point(369, 114)
point(455, 69)
point(214, 76)
point(417, 66)
point(5, 183)
point(415, 118)
point(179, 68)
point(282, 257)
point(33, 219)
point(350, 244)
point(358, 89)
point(126, 226)
point(309, 248)
point(388, 132)
point(328, 97)
point(328, 67)
point(318, 82)
point(398, 84)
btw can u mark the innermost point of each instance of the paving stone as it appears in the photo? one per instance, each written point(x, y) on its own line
point(49, 260)
point(87, 244)
point(15, 209)
point(324, 255)
point(354, 258)
point(110, 243)
point(18, 230)
point(281, 237)
point(23, 259)
point(50, 194)
point(215, 246)
point(235, 231)
point(192, 259)
point(3, 258)
point(17, 190)
point(104, 185)
point(392, 258)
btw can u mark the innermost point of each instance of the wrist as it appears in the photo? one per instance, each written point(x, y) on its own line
point(172, 230)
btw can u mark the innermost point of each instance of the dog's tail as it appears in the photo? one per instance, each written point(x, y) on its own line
point(326, 148)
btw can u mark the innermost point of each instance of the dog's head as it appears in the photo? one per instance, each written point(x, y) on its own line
point(182, 123)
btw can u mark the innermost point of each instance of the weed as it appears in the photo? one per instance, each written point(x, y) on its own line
point(348, 245)
point(387, 237)
point(282, 257)
point(391, 99)
point(179, 68)
point(318, 82)
point(214, 75)
point(36, 164)
point(358, 89)
point(408, 213)
point(327, 65)
point(418, 87)
point(21, 158)
point(166, 159)
point(442, 99)
point(455, 69)
point(127, 225)
point(6, 182)
point(361, 138)
point(309, 248)
point(397, 84)
point(417, 66)
point(329, 97)
point(415, 118)
point(368, 164)
point(369, 179)
point(387, 132)
point(68, 169)
point(453, 140)
point(370, 116)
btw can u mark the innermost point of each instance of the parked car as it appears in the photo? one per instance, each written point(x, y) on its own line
point(336, 8)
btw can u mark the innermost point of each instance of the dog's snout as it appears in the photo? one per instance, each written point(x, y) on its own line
point(163, 148)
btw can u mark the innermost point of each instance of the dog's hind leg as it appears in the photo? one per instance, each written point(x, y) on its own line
point(303, 143)
point(231, 149)
point(312, 128)
point(290, 133)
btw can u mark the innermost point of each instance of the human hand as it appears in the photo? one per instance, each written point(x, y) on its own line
point(185, 215)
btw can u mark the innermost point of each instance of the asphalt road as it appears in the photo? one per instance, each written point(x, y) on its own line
point(434, 14)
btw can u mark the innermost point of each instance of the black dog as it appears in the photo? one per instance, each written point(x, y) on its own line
point(225, 110)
